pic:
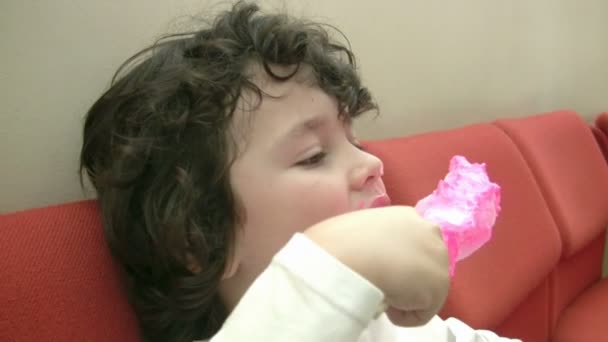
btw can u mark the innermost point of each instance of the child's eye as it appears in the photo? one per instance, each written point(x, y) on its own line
point(314, 160)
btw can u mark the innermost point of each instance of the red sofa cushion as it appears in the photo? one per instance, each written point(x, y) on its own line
point(57, 279)
point(602, 140)
point(601, 122)
point(568, 165)
point(586, 318)
point(572, 174)
point(600, 131)
point(489, 285)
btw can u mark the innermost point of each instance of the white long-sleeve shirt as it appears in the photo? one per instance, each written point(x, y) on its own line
point(308, 295)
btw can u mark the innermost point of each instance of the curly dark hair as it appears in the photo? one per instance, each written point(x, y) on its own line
point(158, 149)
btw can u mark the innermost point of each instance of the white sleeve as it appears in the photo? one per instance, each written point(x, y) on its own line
point(437, 330)
point(460, 332)
point(304, 295)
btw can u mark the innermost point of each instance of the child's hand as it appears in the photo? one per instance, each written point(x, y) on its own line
point(396, 250)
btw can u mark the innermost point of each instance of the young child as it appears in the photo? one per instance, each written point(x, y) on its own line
point(230, 185)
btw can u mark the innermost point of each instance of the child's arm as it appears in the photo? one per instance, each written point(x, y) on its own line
point(308, 295)
point(329, 283)
point(304, 295)
point(320, 286)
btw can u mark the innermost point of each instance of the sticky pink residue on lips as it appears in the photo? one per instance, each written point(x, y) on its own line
point(465, 205)
point(377, 202)
point(380, 201)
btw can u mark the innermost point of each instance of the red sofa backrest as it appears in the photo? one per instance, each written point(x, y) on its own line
point(601, 122)
point(492, 283)
point(57, 279)
point(554, 185)
point(572, 174)
point(600, 131)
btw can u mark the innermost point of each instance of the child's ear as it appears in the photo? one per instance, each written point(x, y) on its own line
point(232, 266)
point(193, 265)
point(233, 260)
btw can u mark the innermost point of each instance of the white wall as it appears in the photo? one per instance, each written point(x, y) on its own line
point(432, 64)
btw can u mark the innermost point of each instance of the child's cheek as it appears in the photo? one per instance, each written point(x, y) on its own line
point(320, 200)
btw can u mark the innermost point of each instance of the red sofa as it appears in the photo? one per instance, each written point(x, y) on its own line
point(600, 131)
point(538, 279)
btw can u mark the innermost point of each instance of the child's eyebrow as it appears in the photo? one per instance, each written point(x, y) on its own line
point(301, 128)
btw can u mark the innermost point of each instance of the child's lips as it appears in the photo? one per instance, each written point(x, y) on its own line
point(380, 201)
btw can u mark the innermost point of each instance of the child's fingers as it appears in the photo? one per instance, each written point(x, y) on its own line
point(409, 318)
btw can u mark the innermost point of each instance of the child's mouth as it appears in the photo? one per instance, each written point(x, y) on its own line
point(380, 201)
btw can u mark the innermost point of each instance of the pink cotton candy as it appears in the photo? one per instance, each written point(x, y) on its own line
point(465, 205)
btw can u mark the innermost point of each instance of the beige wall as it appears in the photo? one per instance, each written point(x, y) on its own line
point(431, 64)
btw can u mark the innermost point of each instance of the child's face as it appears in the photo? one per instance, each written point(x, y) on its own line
point(298, 165)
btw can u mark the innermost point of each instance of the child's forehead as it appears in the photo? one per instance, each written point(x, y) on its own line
point(282, 105)
point(272, 92)
point(259, 75)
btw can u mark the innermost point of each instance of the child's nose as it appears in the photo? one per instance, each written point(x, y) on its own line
point(367, 171)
